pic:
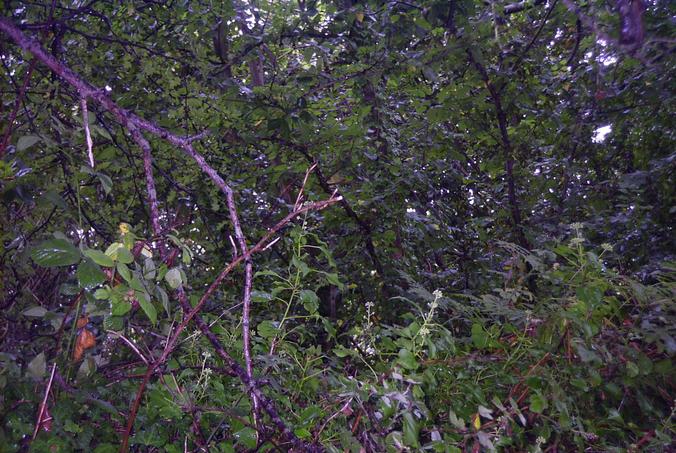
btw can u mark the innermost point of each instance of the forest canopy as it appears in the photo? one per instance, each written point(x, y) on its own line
point(337, 225)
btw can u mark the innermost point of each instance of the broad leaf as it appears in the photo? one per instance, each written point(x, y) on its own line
point(56, 252)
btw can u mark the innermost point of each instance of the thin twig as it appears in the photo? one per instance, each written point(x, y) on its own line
point(130, 344)
point(88, 135)
point(299, 198)
point(43, 405)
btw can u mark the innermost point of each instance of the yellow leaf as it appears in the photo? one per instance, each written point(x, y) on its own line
point(359, 16)
point(124, 228)
point(476, 422)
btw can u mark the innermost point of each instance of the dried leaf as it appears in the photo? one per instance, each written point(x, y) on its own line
point(82, 322)
point(85, 340)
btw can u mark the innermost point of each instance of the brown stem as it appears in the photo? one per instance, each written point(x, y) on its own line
point(150, 181)
point(124, 445)
point(250, 384)
point(508, 149)
point(324, 184)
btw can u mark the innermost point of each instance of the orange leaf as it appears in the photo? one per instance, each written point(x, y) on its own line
point(85, 340)
point(82, 322)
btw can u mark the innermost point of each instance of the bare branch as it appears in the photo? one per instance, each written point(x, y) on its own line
point(43, 405)
point(88, 135)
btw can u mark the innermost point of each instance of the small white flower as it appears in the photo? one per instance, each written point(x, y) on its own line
point(576, 226)
point(576, 241)
point(437, 294)
point(424, 331)
point(607, 247)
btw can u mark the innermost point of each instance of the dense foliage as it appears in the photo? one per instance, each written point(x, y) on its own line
point(337, 225)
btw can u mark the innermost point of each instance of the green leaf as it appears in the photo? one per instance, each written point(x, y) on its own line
point(538, 403)
point(260, 296)
point(119, 252)
point(334, 280)
point(124, 271)
point(300, 265)
point(149, 271)
point(35, 312)
point(480, 337)
point(302, 433)
point(342, 351)
point(164, 298)
point(136, 284)
point(119, 306)
point(99, 257)
point(309, 300)
point(267, 329)
point(89, 274)
point(26, 142)
point(147, 307)
point(173, 277)
point(458, 423)
point(411, 430)
point(56, 252)
point(407, 359)
point(632, 369)
point(246, 437)
point(106, 448)
point(72, 427)
point(106, 182)
point(37, 367)
point(102, 294)
point(124, 255)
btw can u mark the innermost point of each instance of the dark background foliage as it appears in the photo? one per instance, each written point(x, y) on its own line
point(498, 275)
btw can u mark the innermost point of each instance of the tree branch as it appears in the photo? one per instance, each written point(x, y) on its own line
point(507, 146)
point(192, 313)
point(135, 125)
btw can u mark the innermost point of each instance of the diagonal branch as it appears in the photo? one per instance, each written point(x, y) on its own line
point(135, 125)
point(87, 90)
point(189, 314)
point(364, 226)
